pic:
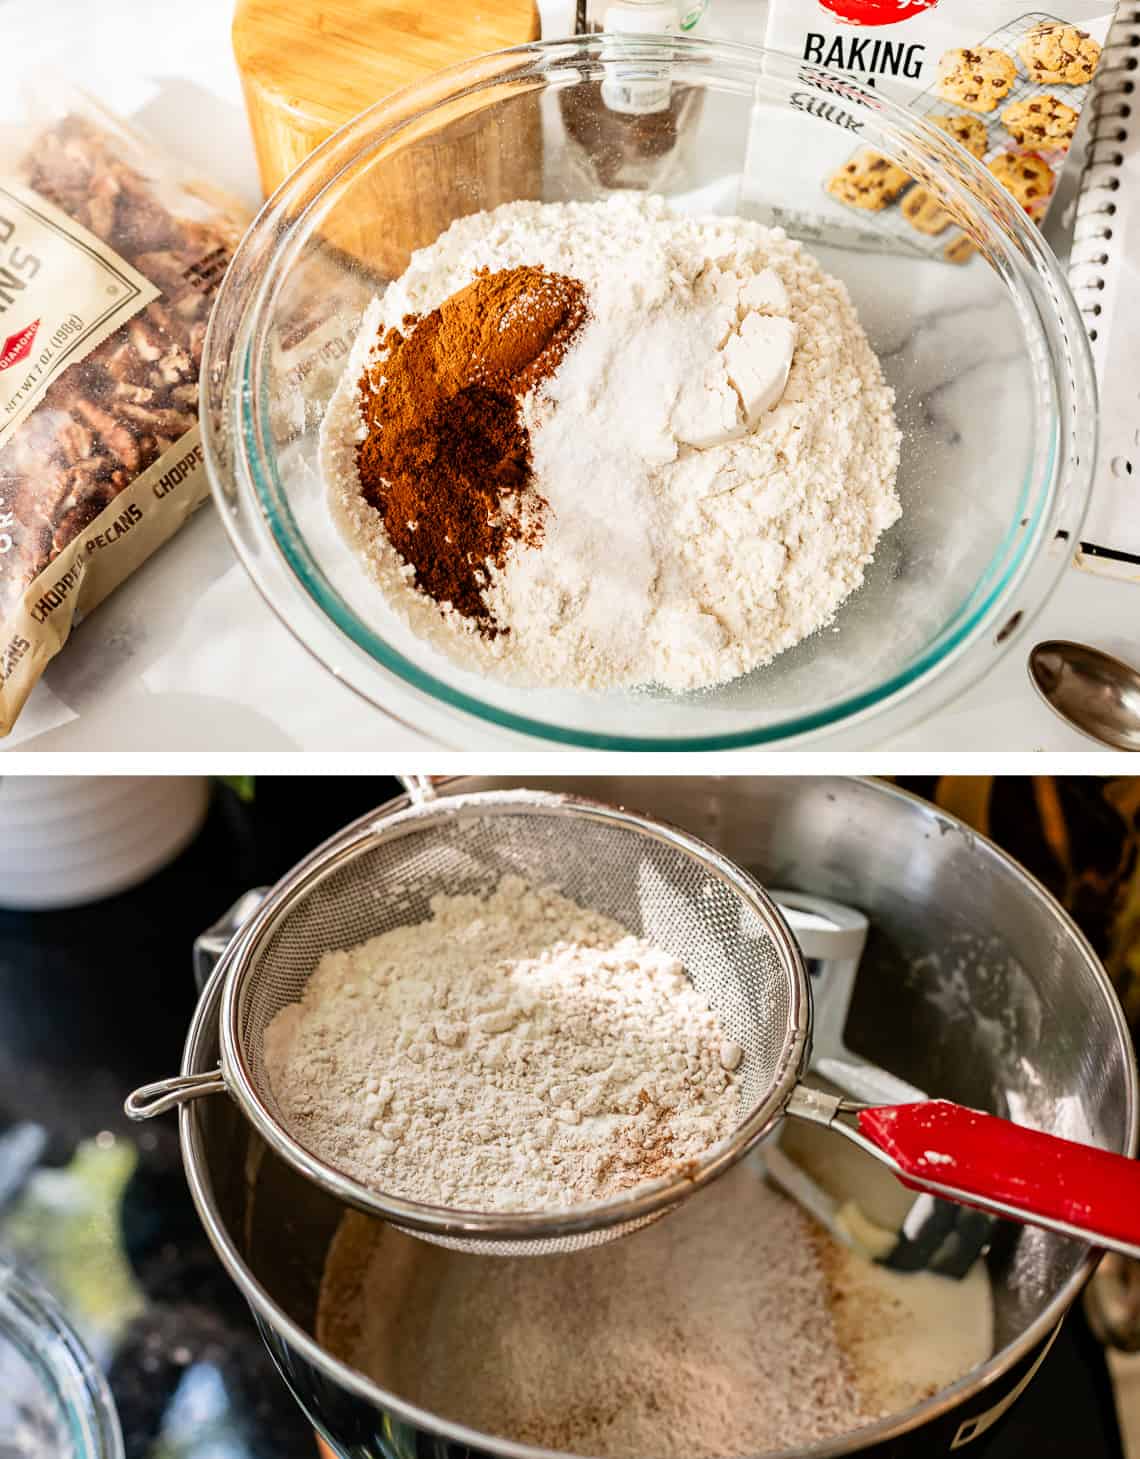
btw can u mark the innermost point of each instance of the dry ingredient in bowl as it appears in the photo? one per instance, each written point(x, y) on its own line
point(447, 453)
point(701, 476)
point(515, 1051)
point(733, 1327)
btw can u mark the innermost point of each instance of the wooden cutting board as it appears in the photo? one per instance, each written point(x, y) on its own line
point(309, 66)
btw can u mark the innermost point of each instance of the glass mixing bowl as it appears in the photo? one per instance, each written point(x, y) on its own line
point(54, 1402)
point(990, 363)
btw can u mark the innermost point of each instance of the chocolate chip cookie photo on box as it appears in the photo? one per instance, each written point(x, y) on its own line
point(1040, 121)
point(968, 132)
point(1059, 54)
point(868, 181)
point(924, 212)
point(960, 249)
point(1027, 177)
point(978, 79)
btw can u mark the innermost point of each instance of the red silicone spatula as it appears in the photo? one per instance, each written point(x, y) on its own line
point(979, 1160)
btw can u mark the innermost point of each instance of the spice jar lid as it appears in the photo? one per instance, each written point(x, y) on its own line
point(54, 1401)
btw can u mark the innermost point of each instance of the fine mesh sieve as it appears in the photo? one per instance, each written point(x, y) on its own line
point(686, 898)
point(659, 883)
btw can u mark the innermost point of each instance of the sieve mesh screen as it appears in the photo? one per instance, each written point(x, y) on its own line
point(649, 880)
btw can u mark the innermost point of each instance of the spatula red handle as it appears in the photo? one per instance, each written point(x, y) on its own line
point(992, 1163)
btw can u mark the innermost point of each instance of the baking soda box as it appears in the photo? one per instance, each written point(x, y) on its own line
point(1007, 83)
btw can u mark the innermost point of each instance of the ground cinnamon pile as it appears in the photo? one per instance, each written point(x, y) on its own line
point(446, 460)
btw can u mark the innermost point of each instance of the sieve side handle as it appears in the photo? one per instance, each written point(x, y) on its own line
point(210, 946)
point(157, 1098)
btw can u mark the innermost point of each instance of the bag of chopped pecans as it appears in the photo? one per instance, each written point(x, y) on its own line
point(110, 256)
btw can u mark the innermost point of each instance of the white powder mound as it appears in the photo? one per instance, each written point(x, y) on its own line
point(717, 449)
point(514, 1052)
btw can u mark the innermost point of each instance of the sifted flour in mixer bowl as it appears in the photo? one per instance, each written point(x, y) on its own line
point(732, 1327)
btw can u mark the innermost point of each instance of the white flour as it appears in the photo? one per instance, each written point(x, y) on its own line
point(514, 1052)
point(702, 515)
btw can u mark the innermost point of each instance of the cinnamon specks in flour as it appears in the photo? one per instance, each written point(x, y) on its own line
point(733, 1327)
point(514, 1052)
point(706, 1334)
point(711, 462)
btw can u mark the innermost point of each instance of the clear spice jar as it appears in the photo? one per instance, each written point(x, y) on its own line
point(630, 125)
point(645, 17)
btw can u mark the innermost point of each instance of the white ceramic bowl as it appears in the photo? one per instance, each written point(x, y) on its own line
point(66, 840)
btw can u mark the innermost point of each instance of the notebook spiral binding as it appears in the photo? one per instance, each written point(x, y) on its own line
point(1110, 121)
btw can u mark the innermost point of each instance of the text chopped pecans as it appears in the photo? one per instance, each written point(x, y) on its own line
point(109, 262)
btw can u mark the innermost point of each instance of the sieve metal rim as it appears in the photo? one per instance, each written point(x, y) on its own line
point(649, 1199)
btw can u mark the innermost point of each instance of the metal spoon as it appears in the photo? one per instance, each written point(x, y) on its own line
point(1096, 693)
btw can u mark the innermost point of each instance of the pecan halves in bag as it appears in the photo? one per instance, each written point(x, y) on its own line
point(109, 263)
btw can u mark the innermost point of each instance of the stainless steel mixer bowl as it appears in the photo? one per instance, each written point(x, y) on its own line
point(974, 985)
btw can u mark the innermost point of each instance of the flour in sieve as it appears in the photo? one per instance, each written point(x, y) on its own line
point(515, 1051)
point(692, 531)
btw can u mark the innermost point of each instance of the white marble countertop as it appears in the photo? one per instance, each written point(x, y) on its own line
point(186, 656)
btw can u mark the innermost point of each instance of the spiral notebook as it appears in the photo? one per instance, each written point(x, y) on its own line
point(1104, 271)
